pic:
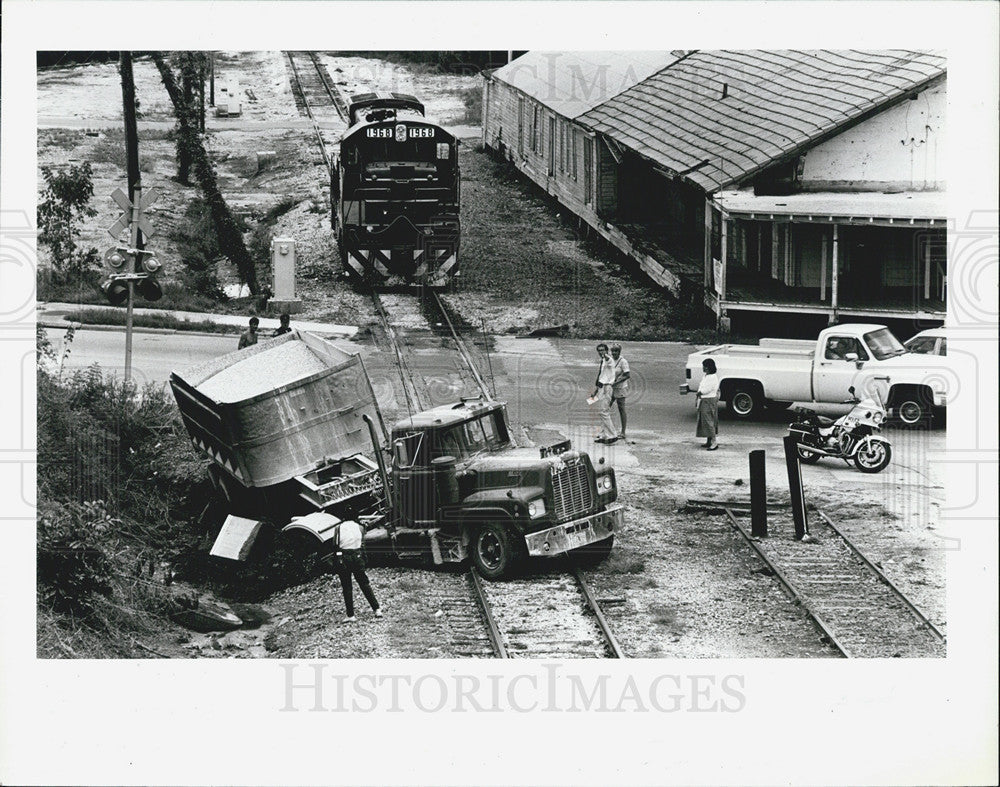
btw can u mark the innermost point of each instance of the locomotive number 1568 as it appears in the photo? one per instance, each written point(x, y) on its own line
point(385, 132)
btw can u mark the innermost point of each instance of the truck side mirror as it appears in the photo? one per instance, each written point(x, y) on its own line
point(851, 357)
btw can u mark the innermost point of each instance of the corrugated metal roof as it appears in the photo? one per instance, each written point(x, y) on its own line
point(905, 205)
point(715, 118)
point(570, 83)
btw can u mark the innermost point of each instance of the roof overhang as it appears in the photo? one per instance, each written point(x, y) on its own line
point(904, 209)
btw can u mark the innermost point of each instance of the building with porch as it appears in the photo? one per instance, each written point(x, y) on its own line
point(817, 176)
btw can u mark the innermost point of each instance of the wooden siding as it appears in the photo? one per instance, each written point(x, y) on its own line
point(501, 126)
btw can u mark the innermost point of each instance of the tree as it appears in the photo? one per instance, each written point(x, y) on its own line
point(64, 204)
point(229, 235)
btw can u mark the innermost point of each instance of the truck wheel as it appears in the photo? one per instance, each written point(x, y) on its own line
point(910, 411)
point(592, 554)
point(873, 458)
point(744, 403)
point(493, 551)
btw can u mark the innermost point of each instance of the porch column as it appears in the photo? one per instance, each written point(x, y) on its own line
point(925, 250)
point(775, 245)
point(788, 255)
point(760, 246)
point(822, 268)
point(724, 255)
point(708, 243)
point(834, 270)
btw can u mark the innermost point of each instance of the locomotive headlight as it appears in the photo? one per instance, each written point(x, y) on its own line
point(536, 508)
point(400, 133)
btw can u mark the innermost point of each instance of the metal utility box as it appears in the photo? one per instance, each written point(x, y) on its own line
point(228, 102)
point(283, 265)
point(278, 409)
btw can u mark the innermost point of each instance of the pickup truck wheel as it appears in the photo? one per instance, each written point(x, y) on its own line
point(493, 551)
point(592, 554)
point(910, 411)
point(744, 403)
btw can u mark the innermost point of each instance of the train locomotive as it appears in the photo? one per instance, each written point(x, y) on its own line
point(396, 186)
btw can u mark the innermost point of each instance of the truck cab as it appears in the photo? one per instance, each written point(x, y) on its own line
point(457, 478)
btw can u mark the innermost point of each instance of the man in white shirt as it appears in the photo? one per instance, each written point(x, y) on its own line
point(348, 542)
point(603, 388)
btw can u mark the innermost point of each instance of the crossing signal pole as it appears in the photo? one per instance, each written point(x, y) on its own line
point(135, 265)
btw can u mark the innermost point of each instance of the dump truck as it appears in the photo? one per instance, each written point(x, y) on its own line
point(293, 428)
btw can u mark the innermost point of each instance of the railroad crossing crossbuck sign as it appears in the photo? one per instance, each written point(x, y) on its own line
point(125, 220)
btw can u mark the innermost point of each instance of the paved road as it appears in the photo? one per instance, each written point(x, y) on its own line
point(545, 383)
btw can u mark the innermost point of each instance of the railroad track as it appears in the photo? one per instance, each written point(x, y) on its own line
point(314, 95)
point(540, 616)
point(546, 616)
point(850, 600)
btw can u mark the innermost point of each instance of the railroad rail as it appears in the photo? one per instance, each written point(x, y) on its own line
point(312, 89)
point(850, 601)
point(542, 616)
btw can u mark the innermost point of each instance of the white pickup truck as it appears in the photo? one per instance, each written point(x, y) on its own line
point(778, 372)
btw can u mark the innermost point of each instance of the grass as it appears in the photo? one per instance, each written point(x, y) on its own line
point(112, 316)
point(517, 241)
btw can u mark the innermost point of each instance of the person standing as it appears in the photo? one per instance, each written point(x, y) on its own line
point(619, 390)
point(707, 402)
point(348, 543)
point(283, 326)
point(249, 337)
point(602, 395)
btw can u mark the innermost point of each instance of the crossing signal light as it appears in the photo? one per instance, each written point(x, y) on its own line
point(149, 288)
point(116, 291)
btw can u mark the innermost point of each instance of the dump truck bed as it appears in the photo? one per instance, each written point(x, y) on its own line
point(273, 411)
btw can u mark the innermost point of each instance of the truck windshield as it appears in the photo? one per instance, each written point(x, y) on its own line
point(883, 344)
point(467, 439)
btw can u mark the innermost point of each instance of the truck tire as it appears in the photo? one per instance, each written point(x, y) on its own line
point(911, 406)
point(592, 554)
point(745, 401)
point(494, 551)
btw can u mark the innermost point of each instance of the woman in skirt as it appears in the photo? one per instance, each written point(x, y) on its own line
point(707, 402)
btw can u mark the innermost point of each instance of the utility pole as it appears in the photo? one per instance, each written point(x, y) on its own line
point(134, 188)
point(211, 79)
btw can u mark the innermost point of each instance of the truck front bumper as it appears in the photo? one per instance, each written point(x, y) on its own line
point(578, 533)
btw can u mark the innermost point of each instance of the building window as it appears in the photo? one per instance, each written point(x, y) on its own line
point(588, 170)
point(572, 152)
point(535, 133)
point(520, 127)
point(562, 145)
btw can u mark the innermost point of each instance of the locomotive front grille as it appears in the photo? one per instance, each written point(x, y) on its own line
point(571, 492)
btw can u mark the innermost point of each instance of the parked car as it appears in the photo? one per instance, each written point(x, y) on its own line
point(933, 341)
point(778, 372)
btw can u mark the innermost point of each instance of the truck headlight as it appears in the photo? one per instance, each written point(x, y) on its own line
point(604, 484)
point(536, 508)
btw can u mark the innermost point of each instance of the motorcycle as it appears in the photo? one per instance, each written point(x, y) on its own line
point(853, 437)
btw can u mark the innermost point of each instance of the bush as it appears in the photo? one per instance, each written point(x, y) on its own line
point(472, 97)
point(64, 203)
point(73, 561)
point(198, 247)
